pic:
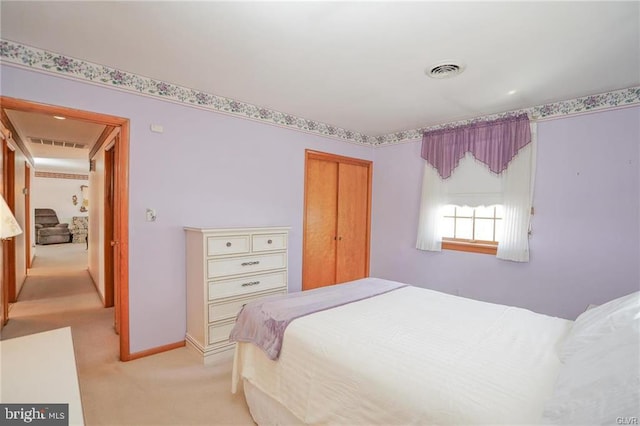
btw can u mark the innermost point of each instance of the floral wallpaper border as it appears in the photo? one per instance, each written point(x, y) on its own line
point(56, 175)
point(618, 98)
point(42, 60)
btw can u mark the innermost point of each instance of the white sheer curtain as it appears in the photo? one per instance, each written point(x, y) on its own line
point(517, 200)
point(431, 204)
point(473, 184)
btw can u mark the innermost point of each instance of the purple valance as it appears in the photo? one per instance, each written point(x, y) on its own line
point(493, 143)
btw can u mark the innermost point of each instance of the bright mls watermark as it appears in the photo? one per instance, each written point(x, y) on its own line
point(34, 414)
point(627, 420)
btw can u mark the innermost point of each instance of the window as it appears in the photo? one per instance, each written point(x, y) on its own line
point(472, 229)
point(484, 163)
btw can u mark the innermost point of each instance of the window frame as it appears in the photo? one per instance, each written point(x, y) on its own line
point(472, 246)
point(485, 247)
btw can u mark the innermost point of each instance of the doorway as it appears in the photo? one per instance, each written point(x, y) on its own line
point(118, 252)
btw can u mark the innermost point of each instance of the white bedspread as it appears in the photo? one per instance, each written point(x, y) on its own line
point(412, 356)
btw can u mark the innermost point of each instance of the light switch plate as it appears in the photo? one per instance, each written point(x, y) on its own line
point(157, 128)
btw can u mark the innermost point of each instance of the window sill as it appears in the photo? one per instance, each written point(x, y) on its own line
point(470, 247)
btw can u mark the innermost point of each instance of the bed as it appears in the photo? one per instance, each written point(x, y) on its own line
point(417, 356)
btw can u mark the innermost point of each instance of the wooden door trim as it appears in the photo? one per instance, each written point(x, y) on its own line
point(14, 135)
point(108, 227)
point(325, 156)
point(369, 190)
point(27, 215)
point(121, 229)
point(121, 192)
point(5, 243)
point(10, 198)
point(102, 139)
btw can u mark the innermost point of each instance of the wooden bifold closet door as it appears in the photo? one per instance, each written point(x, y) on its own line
point(336, 219)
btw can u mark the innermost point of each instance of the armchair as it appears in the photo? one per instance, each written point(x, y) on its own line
point(49, 230)
point(80, 229)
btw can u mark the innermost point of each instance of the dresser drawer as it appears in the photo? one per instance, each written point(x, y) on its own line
point(235, 244)
point(268, 242)
point(220, 332)
point(242, 286)
point(244, 265)
point(229, 310)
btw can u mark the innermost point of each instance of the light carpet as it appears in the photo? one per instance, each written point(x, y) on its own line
point(171, 388)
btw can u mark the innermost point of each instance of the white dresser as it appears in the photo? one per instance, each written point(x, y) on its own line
point(226, 268)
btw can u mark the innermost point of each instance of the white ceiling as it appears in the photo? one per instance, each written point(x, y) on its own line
point(356, 65)
point(34, 126)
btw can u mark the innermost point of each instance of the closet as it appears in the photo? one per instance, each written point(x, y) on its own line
point(337, 219)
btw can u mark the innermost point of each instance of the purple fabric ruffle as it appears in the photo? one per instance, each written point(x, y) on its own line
point(493, 143)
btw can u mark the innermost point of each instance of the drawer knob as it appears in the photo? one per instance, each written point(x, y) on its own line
point(250, 284)
point(269, 241)
point(228, 244)
point(254, 262)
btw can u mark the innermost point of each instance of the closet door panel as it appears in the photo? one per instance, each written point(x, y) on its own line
point(320, 224)
point(353, 224)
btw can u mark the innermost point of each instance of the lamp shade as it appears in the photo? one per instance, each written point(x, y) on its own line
point(8, 224)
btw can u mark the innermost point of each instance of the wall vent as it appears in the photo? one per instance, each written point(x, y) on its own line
point(61, 144)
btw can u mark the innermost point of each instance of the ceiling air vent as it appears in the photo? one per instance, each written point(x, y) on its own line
point(62, 144)
point(445, 70)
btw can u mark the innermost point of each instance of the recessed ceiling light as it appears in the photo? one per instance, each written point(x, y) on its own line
point(511, 92)
point(445, 69)
point(59, 117)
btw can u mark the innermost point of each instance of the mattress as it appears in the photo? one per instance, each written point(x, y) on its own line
point(411, 356)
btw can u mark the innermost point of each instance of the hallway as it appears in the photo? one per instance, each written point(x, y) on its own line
point(59, 292)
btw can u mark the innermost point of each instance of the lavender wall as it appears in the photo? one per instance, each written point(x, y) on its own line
point(209, 169)
point(206, 169)
point(586, 235)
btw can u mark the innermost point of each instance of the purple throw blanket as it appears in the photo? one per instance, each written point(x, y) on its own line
point(263, 321)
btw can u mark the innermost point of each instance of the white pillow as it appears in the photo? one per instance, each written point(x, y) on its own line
point(599, 381)
point(597, 322)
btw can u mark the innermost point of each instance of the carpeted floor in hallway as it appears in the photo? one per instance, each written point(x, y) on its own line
point(171, 388)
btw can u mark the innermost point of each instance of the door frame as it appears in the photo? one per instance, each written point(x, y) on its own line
point(121, 194)
point(325, 156)
point(9, 245)
point(27, 215)
point(109, 157)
